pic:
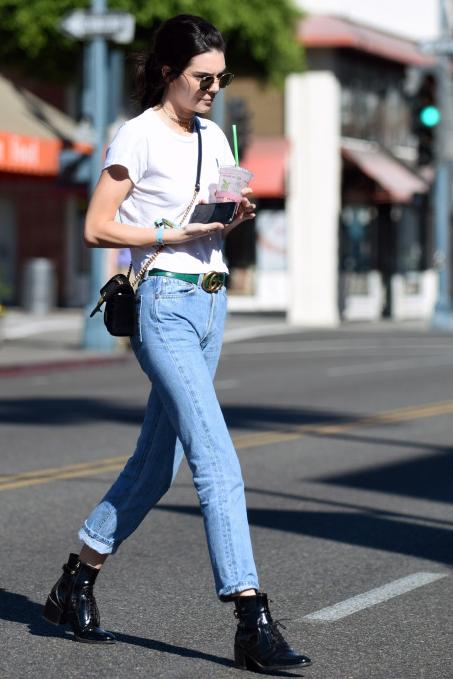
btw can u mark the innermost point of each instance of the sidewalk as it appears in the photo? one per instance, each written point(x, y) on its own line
point(34, 344)
point(38, 343)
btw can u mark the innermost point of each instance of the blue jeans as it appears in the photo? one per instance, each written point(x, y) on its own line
point(177, 342)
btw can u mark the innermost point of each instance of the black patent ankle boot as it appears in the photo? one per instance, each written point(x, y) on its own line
point(259, 644)
point(58, 601)
point(83, 613)
point(72, 601)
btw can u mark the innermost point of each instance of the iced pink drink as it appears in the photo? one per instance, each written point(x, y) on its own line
point(232, 179)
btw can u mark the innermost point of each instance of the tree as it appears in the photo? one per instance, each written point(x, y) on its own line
point(261, 35)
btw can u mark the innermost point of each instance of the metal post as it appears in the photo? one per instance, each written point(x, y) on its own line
point(443, 318)
point(218, 109)
point(95, 333)
point(116, 84)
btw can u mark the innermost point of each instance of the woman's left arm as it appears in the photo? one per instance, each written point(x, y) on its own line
point(246, 210)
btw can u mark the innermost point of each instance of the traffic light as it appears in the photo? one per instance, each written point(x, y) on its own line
point(237, 113)
point(426, 117)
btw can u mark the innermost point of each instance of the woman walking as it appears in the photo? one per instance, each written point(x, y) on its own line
point(149, 175)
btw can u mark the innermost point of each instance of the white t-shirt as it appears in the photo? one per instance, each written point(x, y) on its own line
point(162, 165)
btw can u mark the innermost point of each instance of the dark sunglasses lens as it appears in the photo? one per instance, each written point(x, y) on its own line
point(225, 79)
point(206, 82)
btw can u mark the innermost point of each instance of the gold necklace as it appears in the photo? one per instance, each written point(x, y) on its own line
point(185, 123)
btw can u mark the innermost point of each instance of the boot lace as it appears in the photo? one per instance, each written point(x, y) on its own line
point(278, 639)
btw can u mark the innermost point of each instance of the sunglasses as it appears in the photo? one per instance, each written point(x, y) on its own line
point(207, 81)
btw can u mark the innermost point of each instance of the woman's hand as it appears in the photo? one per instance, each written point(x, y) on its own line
point(246, 210)
point(191, 231)
point(197, 230)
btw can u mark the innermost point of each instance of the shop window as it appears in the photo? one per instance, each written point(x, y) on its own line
point(357, 238)
point(240, 253)
point(7, 251)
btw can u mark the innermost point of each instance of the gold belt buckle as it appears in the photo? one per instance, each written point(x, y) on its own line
point(212, 281)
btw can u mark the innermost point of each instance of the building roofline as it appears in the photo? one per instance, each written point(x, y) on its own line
point(321, 31)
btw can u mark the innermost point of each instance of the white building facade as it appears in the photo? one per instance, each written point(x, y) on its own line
point(358, 236)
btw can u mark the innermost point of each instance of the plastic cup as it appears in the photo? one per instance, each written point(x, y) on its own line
point(232, 179)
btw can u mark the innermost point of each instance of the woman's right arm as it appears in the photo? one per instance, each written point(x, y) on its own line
point(101, 230)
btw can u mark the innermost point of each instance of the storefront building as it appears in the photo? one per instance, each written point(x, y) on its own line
point(41, 214)
point(384, 239)
point(350, 233)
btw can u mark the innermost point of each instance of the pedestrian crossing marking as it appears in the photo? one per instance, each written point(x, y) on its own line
point(373, 597)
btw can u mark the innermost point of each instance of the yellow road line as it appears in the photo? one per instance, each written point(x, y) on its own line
point(253, 440)
point(65, 473)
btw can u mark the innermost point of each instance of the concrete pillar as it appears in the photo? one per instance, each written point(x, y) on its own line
point(312, 124)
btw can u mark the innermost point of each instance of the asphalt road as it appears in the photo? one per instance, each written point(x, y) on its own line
point(345, 443)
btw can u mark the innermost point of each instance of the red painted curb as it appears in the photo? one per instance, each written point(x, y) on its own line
point(54, 366)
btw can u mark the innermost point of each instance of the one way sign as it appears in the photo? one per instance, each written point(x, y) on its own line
point(84, 25)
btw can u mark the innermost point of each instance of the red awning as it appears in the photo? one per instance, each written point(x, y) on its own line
point(28, 155)
point(32, 133)
point(395, 178)
point(327, 31)
point(266, 157)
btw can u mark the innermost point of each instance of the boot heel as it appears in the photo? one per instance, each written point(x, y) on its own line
point(53, 613)
point(240, 659)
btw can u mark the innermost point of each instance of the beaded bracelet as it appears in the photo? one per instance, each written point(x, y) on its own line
point(160, 234)
point(160, 225)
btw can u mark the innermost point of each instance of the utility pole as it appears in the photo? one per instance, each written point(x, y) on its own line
point(218, 109)
point(95, 335)
point(96, 26)
point(443, 318)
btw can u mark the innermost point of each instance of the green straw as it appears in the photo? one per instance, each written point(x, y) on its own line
point(235, 144)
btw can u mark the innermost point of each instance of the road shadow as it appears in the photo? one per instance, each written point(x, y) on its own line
point(432, 543)
point(18, 608)
point(67, 411)
point(422, 476)
point(323, 502)
point(163, 647)
point(70, 411)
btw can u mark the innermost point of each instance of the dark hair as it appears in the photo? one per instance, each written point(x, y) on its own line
point(175, 43)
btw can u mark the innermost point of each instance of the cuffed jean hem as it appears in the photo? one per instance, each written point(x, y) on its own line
point(227, 593)
point(95, 542)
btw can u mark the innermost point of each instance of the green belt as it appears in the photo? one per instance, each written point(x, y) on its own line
point(211, 281)
point(188, 277)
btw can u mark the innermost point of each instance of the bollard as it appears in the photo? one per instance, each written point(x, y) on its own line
point(39, 286)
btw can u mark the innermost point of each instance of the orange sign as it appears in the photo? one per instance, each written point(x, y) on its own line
point(29, 155)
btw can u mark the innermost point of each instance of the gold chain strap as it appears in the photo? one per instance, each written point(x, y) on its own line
point(189, 207)
point(146, 264)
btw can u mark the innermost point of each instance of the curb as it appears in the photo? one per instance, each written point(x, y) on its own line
point(55, 366)
point(231, 336)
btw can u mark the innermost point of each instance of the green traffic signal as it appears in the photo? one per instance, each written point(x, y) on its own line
point(430, 116)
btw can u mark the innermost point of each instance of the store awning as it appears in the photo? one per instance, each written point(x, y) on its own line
point(396, 179)
point(32, 132)
point(328, 31)
point(266, 157)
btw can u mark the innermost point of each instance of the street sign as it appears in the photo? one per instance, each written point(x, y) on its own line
point(441, 46)
point(85, 25)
